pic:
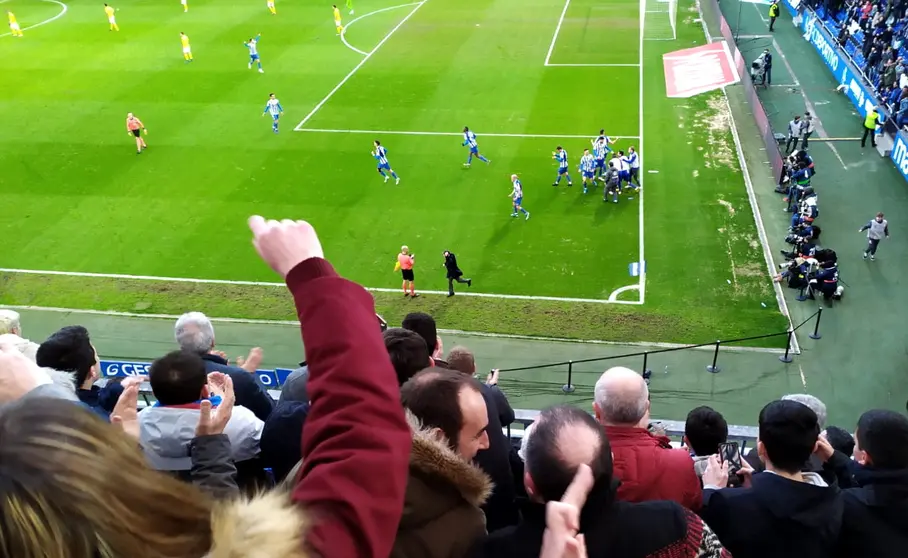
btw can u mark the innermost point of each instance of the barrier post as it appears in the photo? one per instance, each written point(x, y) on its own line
point(569, 387)
point(646, 371)
point(786, 358)
point(816, 326)
point(714, 368)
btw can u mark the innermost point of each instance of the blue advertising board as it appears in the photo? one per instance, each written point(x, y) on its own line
point(858, 91)
point(122, 369)
point(899, 154)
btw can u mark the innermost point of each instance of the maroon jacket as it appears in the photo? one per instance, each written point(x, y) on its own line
point(356, 440)
point(650, 469)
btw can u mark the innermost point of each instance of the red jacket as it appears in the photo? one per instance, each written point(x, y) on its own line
point(650, 469)
point(356, 440)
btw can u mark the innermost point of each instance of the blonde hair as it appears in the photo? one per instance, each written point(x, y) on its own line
point(75, 487)
point(9, 321)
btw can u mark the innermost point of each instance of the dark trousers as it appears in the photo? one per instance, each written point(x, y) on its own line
point(872, 243)
point(792, 140)
point(869, 132)
point(772, 21)
point(804, 141)
point(451, 283)
point(767, 77)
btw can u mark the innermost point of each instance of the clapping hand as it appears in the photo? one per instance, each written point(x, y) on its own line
point(213, 421)
point(125, 413)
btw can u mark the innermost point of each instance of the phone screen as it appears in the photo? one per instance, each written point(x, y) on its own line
point(729, 452)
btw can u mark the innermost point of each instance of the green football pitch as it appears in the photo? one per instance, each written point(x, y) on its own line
point(525, 75)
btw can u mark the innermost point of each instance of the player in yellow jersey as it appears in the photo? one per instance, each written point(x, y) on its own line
point(337, 20)
point(271, 7)
point(185, 4)
point(14, 25)
point(187, 50)
point(111, 18)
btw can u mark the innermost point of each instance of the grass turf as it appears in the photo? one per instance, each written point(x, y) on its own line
point(75, 197)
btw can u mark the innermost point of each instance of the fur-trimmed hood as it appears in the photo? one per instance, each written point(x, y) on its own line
point(267, 526)
point(439, 480)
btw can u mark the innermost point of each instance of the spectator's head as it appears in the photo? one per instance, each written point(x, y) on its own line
point(460, 359)
point(563, 438)
point(408, 352)
point(66, 473)
point(817, 406)
point(451, 405)
point(424, 325)
point(178, 378)
point(839, 439)
point(194, 333)
point(621, 398)
point(704, 430)
point(9, 322)
point(70, 350)
point(882, 440)
point(788, 435)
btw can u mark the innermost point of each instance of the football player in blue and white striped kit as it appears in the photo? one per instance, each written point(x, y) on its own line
point(253, 46)
point(634, 161)
point(601, 150)
point(624, 170)
point(587, 170)
point(273, 106)
point(561, 156)
point(469, 138)
point(381, 155)
point(516, 196)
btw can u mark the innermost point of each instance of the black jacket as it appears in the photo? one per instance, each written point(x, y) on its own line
point(451, 266)
point(501, 507)
point(875, 522)
point(612, 529)
point(213, 470)
point(775, 517)
point(250, 392)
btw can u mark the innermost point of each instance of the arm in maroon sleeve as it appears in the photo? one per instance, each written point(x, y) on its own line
point(356, 441)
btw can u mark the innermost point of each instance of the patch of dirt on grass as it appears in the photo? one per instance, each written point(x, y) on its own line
point(728, 206)
point(713, 125)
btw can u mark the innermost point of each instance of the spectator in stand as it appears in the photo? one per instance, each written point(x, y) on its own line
point(782, 512)
point(294, 387)
point(194, 332)
point(407, 351)
point(647, 465)
point(563, 439)
point(839, 439)
point(901, 116)
point(70, 350)
point(813, 464)
point(358, 514)
point(811, 401)
point(21, 378)
point(180, 385)
point(704, 430)
point(281, 440)
point(424, 325)
point(441, 511)
point(11, 333)
point(875, 521)
point(500, 508)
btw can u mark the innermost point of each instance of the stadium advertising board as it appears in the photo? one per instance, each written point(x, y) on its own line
point(899, 154)
point(123, 369)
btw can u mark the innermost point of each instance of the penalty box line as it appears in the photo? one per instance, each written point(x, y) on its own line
point(283, 285)
point(453, 134)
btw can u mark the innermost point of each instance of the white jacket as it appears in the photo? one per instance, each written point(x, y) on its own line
point(165, 434)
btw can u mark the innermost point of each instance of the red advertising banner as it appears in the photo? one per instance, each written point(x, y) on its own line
point(697, 70)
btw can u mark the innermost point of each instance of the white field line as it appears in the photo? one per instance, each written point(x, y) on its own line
point(344, 32)
point(640, 155)
point(548, 55)
point(550, 65)
point(617, 292)
point(821, 131)
point(456, 134)
point(759, 11)
point(295, 324)
point(275, 284)
point(63, 9)
point(358, 66)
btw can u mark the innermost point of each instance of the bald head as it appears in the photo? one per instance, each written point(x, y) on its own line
point(621, 398)
point(562, 439)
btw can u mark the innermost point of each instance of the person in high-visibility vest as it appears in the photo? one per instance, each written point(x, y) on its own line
point(773, 13)
point(870, 123)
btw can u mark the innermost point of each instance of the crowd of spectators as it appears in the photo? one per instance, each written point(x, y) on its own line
point(383, 444)
point(875, 35)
